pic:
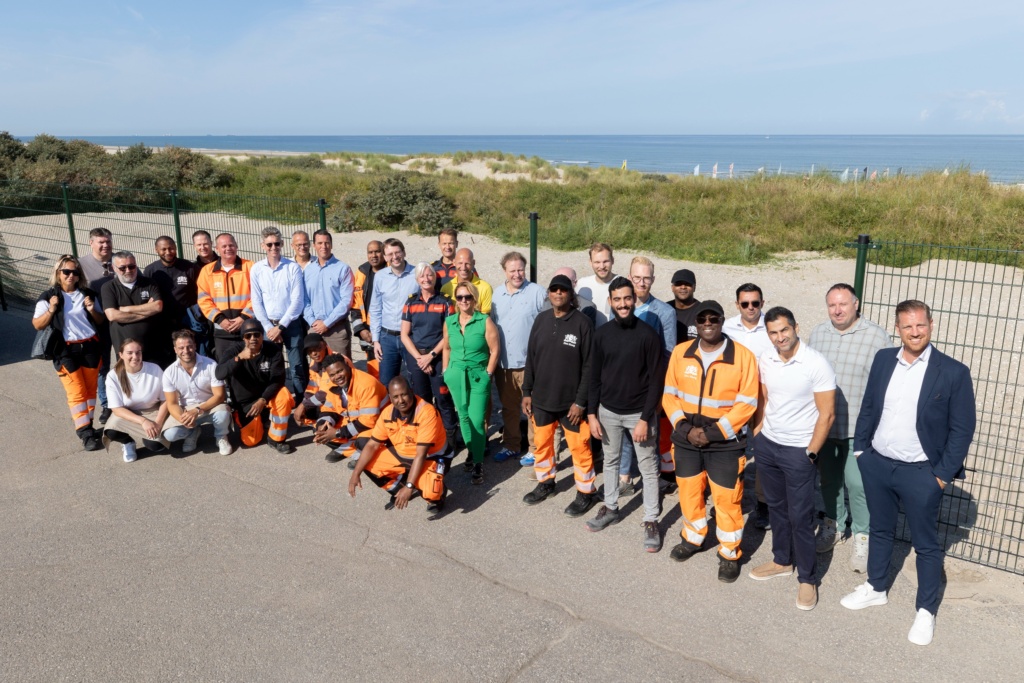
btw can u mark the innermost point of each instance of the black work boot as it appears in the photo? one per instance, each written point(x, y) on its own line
point(580, 506)
point(542, 492)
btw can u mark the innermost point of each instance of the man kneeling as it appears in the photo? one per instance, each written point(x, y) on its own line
point(407, 450)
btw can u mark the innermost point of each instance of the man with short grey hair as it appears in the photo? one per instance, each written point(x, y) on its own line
point(278, 298)
point(132, 304)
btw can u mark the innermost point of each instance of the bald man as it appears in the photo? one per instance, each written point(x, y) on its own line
point(465, 271)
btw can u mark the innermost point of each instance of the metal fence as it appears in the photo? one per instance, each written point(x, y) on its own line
point(41, 221)
point(976, 300)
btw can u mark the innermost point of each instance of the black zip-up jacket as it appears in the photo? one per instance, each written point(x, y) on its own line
point(558, 357)
point(628, 373)
point(254, 378)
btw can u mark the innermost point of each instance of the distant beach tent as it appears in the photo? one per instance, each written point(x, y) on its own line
point(730, 170)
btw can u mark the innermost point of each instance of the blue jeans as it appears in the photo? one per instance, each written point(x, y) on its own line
point(297, 374)
point(219, 417)
point(391, 351)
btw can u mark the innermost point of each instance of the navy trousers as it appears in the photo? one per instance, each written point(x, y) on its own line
point(887, 483)
point(787, 478)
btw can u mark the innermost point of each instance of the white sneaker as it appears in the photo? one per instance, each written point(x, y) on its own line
point(923, 629)
point(859, 558)
point(828, 536)
point(224, 446)
point(128, 449)
point(191, 441)
point(864, 596)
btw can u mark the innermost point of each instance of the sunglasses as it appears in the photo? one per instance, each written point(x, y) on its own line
point(68, 271)
point(252, 335)
point(463, 297)
point(750, 304)
point(713, 319)
point(557, 289)
point(126, 268)
point(273, 245)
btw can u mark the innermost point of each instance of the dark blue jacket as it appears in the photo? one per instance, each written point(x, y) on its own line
point(945, 410)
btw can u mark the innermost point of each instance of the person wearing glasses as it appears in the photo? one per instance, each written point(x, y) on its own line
point(392, 287)
point(710, 395)
point(748, 328)
point(300, 248)
point(471, 350)
point(75, 315)
point(254, 371)
point(278, 299)
point(225, 295)
point(133, 304)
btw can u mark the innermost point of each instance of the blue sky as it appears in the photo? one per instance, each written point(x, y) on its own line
point(524, 67)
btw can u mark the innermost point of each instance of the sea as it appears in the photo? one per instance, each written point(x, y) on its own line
point(1000, 157)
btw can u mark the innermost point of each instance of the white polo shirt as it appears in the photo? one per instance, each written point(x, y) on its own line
point(791, 413)
point(195, 388)
point(896, 434)
point(756, 340)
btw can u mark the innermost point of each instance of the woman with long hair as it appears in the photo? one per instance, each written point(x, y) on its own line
point(136, 398)
point(74, 313)
point(471, 350)
point(422, 333)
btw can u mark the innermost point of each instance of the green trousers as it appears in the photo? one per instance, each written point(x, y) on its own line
point(836, 466)
point(471, 391)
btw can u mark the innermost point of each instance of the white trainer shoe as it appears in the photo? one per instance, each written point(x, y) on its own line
point(864, 596)
point(923, 629)
point(859, 558)
point(128, 450)
point(224, 446)
point(191, 441)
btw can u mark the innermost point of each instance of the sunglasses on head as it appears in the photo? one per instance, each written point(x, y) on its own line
point(273, 245)
point(251, 335)
point(463, 297)
point(68, 271)
point(713, 319)
point(750, 304)
point(127, 268)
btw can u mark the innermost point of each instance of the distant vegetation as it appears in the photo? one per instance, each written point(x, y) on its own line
point(696, 218)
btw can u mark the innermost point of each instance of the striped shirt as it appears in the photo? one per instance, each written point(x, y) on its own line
point(851, 354)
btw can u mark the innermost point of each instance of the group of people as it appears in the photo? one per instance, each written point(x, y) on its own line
point(672, 391)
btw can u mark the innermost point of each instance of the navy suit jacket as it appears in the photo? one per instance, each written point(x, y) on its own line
point(945, 410)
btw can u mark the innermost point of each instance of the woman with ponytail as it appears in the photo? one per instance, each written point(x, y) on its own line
point(136, 398)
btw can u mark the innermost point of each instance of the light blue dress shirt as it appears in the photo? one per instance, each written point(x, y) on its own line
point(514, 315)
point(277, 293)
point(329, 290)
point(390, 293)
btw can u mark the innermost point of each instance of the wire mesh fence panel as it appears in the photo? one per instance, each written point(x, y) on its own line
point(976, 300)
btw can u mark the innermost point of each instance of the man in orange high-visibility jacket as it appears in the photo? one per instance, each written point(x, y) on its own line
point(224, 294)
point(710, 394)
point(407, 451)
point(353, 403)
point(307, 412)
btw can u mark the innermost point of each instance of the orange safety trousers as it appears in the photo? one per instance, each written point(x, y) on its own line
point(389, 472)
point(280, 407)
point(578, 439)
point(724, 471)
point(80, 387)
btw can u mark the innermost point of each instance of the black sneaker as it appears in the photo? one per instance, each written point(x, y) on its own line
point(352, 461)
point(104, 416)
point(435, 506)
point(728, 570)
point(334, 455)
point(605, 518)
point(684, 551)
point(92, 443)
point(582, 504)
point(652, 537)
point(761, 520)
point(468, 465)
point(390, 505)
point(478, 473)
point(542, 492)
point(281, 446)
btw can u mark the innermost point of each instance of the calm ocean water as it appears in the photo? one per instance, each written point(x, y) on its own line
point(1000, 156)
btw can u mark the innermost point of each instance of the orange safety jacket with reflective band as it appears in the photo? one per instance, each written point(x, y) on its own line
point(425, 427)
point(356, 410)
point(722, 400)
point(225, 295)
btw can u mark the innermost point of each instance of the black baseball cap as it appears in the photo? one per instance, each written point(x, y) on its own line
point(313, 340)
point(251, 325)
point(709, 306)
point(560, 282)
point(684, 276)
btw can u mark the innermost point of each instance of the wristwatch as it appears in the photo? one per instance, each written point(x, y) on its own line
point(409, 485)
point(811, 455)
point(433, 354)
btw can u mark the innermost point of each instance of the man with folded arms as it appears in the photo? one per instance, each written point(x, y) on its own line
point(353, 401)
point(133, 305)
point(194, 397)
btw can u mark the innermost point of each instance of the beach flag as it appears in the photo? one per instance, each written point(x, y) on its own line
point(714, 170)
point(623, 164)
point(780, 170)
point(874, 174)
point(846, 175)
point(696, 170)
point(730, 170)
point(812, 169)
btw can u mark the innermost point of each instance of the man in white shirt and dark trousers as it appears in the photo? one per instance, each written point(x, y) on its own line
point(915, 426)
point(278, 298)
point(796, 407)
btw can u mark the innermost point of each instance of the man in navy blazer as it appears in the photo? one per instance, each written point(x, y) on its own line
point(914, 428)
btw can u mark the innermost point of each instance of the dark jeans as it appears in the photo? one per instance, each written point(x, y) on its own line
point(391, 351)
point(297, 373)
point(787, 476)
point(887, 483)
point(431, 388)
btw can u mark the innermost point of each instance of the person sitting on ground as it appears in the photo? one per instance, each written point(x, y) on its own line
point(194, 397)
point(75, 315)
point(307, 411)
point(137, 403)
point(255, 372)
point(353, 400)
point(407, 451)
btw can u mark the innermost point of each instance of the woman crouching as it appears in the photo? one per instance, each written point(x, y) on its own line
point(135, 396)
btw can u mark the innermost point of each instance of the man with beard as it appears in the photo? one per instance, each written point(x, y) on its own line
point(360, 313)
point(194, 397)
point(176, 279)
point(133, 306)
point(255, 372)
point(353, 400)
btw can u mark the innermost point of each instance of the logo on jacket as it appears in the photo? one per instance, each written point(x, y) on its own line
point(218, 285)
point(265, 366)
point(691, 371)
point(570, 340)
point(144, 295)
point(182, 279)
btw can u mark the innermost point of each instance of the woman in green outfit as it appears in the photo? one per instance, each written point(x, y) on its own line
point(471, 350)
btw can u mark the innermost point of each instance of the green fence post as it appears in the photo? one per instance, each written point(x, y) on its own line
point(71, 219)
point(863, 244)
point(533, 246)
point(321, 205)
point(177, 220)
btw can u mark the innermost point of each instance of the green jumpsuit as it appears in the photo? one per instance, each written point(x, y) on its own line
point(468, 381)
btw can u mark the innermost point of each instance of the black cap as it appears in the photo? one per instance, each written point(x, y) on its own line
point(561, 281)
point(313, 340)
point(251, 325)
point(684, 276)
point(709, 306)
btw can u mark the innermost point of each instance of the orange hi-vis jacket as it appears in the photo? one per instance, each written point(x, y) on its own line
point(722, 400)
point(225, 295)
point(424, 428)
point(355, 410)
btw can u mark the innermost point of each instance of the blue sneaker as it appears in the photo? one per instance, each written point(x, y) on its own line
point(527, 460)
point(504, 454)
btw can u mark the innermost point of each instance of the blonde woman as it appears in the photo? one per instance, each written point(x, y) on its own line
point(471, 350)
point(74, 313)
point(136, 398)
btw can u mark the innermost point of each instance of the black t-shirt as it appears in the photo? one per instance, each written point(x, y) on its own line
point(177, 287)
point(150, 331)
point(254, 378)
point(686, 322)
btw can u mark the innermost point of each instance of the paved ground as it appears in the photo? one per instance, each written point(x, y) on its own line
point(256, 566)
